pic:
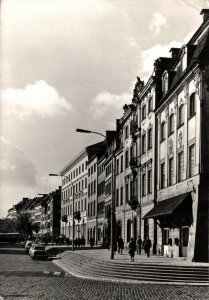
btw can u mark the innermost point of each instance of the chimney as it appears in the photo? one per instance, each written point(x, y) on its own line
point(205, 13)
point(174, 52)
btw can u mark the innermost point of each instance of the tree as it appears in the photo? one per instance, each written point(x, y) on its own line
point(36, 227)
point(24, 224)
point(8, 225)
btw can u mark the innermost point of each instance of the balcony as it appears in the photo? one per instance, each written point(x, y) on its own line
point(134, 127)
point(134, 163)
point(134, 202)
point(64, 218)
point(77, 215)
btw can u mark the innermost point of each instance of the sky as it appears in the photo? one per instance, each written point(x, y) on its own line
point(68, 64)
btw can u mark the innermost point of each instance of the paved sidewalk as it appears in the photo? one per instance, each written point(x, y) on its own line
point(104, 255)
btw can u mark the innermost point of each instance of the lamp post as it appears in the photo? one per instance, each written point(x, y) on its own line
point(112, 242)
point(72, 205)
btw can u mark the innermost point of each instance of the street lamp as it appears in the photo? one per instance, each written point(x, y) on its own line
point(89, 131)
point(72, 205)
point(112, 242)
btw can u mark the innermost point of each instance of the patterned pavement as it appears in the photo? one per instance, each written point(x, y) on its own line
point(44, 280)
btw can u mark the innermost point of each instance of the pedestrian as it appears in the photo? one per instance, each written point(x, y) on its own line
point(139, 244)
point(147, 246)
point(91, 241)
point(120, 245)
point(132, 249)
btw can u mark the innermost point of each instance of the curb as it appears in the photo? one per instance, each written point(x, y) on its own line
point(75, 274)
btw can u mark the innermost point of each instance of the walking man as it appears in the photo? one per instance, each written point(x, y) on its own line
point(139, 245)
point(147, 246)
point(132, 249)
point(120, 245)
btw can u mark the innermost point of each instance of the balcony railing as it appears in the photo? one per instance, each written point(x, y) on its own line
point(134, 162)
point(64, 218)
point(134, 203)
point(134, 127)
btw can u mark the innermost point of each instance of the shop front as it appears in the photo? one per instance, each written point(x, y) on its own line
point(174, 218)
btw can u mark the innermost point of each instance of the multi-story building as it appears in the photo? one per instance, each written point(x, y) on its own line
point(101, 201)
point(74, 193)
point(181, 210)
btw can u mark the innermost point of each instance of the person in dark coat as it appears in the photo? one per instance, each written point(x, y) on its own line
point(120, 245)
point(91, 241)
point(139, 244)
point(147, 246)
point(132, 249)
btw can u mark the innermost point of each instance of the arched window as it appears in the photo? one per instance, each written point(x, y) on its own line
point(162, 131)
point(192, 108)
point(181, 114)
point(171, 124)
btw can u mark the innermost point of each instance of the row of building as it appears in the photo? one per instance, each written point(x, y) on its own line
point(44, 210)
point(149, 177)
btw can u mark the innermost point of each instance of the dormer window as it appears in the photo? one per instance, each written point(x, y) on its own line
point(150, 104)
point(143, 112)
point(165, 83)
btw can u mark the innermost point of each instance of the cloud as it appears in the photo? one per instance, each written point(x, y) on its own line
point(39, 98)
point(5, 164)
point(150, 55)
point(15, 169)
point(132, 41)
point(157, 22)
point(107, 105)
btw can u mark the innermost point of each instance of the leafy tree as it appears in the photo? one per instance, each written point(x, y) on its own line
point(24, 224)
point(8, 225)
point(36, 227)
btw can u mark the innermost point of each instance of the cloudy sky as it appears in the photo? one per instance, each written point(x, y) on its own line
point(73, 63)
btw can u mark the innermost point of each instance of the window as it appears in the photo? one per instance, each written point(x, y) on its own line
point(192, 105)
point(143, 112)
point(165, 83)
point(143, 184)
point(170, 171)
point(171, 124)
point(143, 143)
point(162, 175)
point(191, 160)
point(126, 159)
point(149, 181)
point(79, 169)
point(127, 192)
point(121, 164)
point(162, 132)
point(117, 198)
point(82, 167)
point(181, 115)
point(94, 186)
point(121, 196)
point(85, 183)
point(149, 139)
point(131, 152)
point(150, 104)
point(117, 166)
point(132, 188)
point(94, 167)
point(126, 132)
point(180, 166)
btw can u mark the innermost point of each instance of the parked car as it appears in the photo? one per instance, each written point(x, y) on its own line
point(27, 246)
point(37, 251)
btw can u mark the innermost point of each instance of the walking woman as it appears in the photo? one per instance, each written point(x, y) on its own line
point(132, 249)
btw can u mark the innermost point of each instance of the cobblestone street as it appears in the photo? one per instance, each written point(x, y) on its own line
point(23, 278)
point(82, 289)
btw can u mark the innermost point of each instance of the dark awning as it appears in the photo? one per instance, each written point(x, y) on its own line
point(166, 207)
